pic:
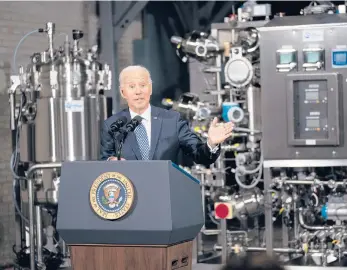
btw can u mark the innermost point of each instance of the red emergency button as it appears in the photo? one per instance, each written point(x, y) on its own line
point(223, 210)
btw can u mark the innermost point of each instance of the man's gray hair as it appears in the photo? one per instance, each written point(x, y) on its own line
point(133, 68)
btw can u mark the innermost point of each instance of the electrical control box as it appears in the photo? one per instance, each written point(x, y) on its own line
point(303, 63)
point(313, 109)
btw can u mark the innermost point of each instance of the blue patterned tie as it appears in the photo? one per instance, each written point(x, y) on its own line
point(142, 140)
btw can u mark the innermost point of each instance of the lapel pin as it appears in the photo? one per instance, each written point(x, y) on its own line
point(155, 117)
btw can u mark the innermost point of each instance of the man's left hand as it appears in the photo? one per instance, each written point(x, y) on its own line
point(219, 132)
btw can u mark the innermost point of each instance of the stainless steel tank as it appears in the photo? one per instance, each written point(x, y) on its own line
point(65, 107)
point(62, 107)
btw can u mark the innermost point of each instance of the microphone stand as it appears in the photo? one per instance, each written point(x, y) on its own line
point(123, 134)
point(119, 136)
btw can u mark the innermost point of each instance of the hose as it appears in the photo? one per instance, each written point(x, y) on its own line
point(17, 47)
point(260, 165)
point(13, 164)
point(258, 169)
point(253, 184)
point(13, 161)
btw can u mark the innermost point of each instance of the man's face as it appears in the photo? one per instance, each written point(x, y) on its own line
point(136, 89)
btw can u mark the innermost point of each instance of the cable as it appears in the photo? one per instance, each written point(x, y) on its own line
point(17, 47)
point(260, 165)
point(13, 163)
point(17, 206)
point(16, 151)
point(15, 155)
point(253, 184)
point(258, 169)
point(23, 38)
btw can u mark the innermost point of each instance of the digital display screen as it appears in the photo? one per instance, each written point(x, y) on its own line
point(312, 123)
point(312, 57)
point(286, 58)
point(312, 95)
point(340, 58)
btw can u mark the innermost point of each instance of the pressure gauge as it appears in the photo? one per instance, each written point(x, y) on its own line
point(238, 70)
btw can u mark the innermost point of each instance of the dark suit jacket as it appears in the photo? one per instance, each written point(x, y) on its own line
point(170, 133)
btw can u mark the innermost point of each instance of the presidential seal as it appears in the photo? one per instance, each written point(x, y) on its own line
point(111, 195)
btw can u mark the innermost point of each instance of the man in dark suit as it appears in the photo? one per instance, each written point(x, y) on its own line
point(162, 133)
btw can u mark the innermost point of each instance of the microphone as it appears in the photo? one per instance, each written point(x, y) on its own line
point(129, 127)
point(133, 123)
point(116, 126)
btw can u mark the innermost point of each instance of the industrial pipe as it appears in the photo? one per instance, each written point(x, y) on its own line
point(309, 182)
point(277, 250)
point(314, 228)
point(261, 249)
point(31, 202)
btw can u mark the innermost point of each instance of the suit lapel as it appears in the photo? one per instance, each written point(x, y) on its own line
point(155, 132)
point(131, 139)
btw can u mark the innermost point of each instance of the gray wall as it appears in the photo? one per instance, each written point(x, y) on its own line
point(17, 19)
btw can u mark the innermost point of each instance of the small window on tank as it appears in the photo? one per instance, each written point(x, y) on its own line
point(286, 60)
point(313, 59)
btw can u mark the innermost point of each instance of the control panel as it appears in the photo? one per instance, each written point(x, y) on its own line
point(303, 64)
point(311, 109)
point(313, 117)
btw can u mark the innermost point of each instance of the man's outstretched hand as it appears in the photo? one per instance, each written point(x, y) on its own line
point(219, 132)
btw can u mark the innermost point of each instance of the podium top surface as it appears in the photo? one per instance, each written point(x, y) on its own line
point(127, 203)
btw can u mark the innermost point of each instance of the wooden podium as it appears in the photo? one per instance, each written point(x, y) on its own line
point(129, 215)
point(178, 256)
